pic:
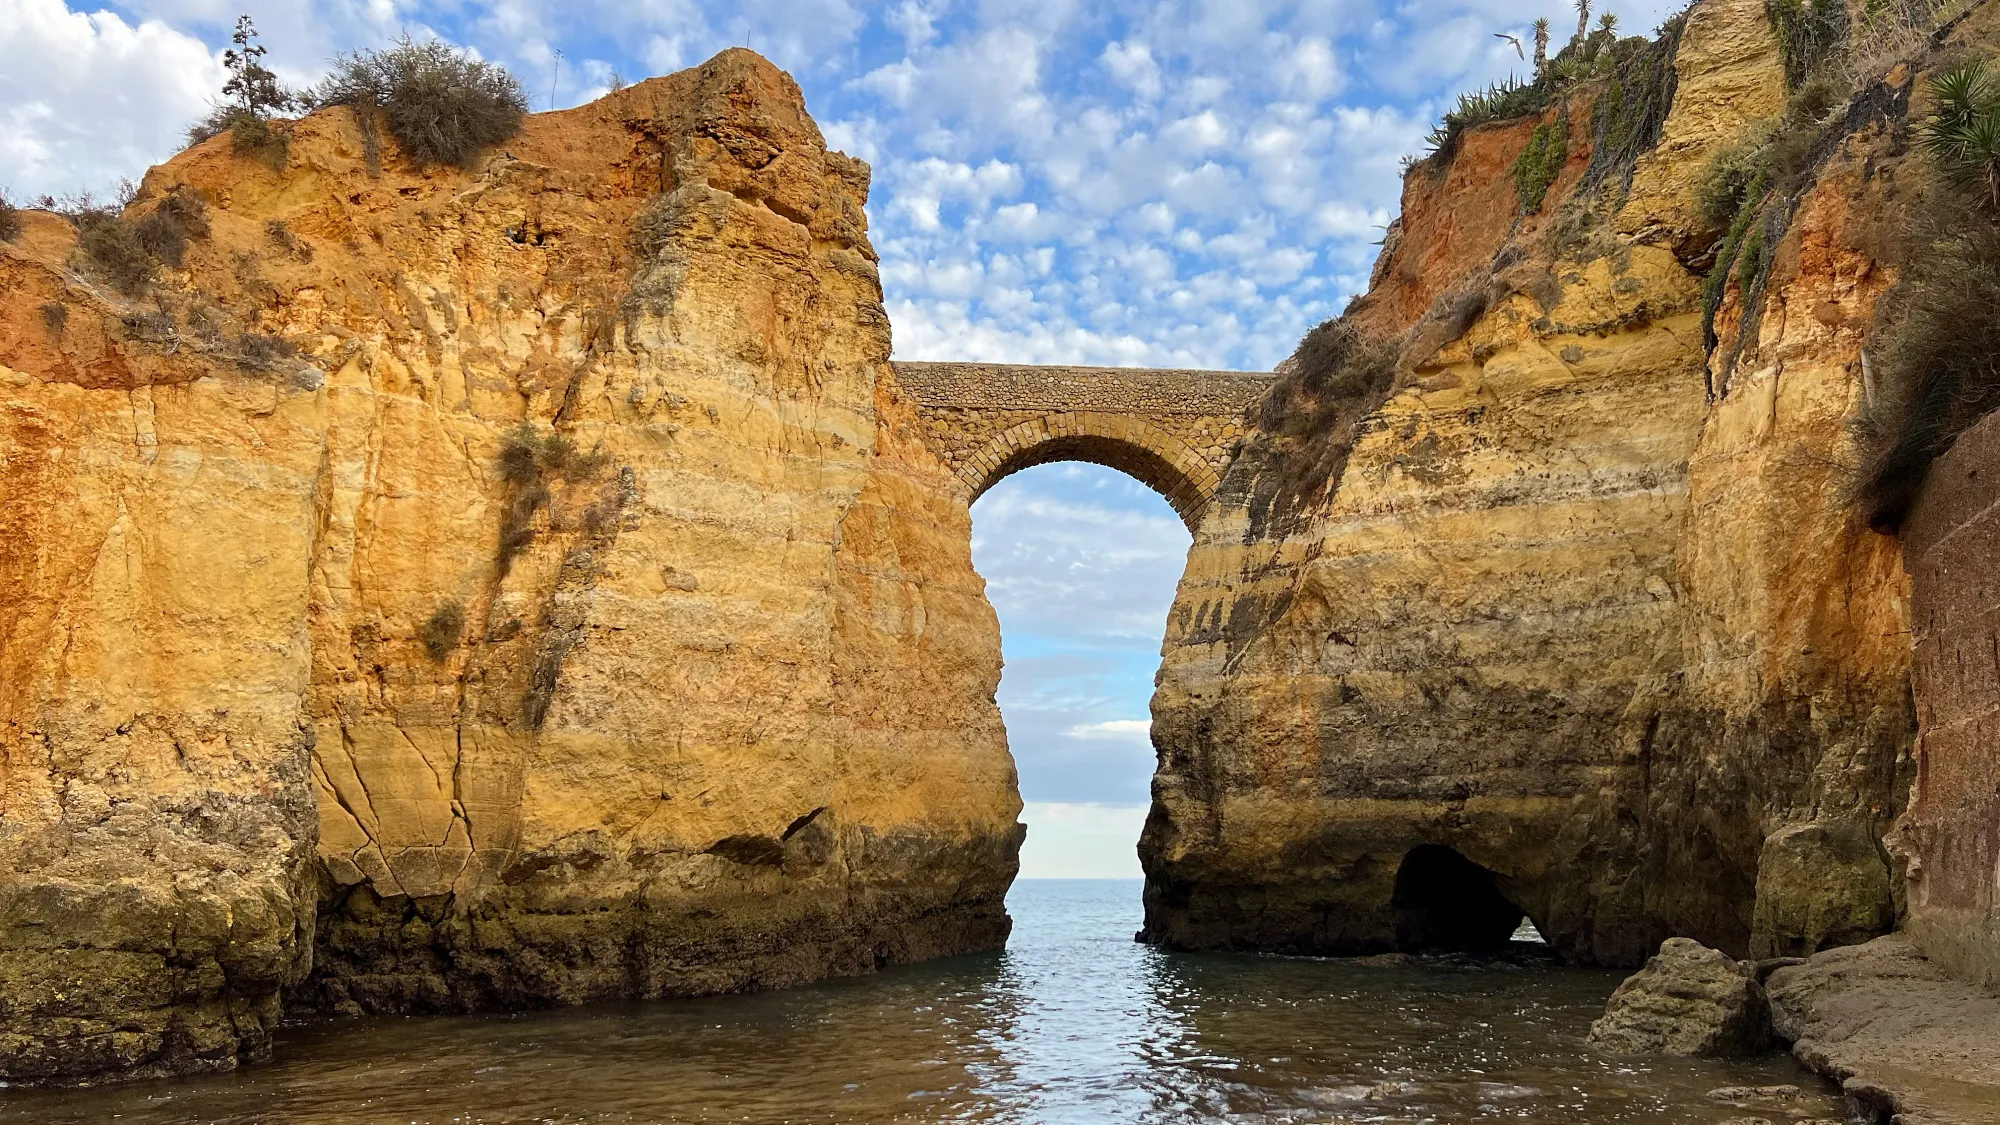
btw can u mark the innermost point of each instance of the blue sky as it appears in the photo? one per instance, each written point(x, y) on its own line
point(1184, 183)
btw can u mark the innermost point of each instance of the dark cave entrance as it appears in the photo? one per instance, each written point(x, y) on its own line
point(1444, 901)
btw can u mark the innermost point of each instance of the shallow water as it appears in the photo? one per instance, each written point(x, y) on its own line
point(1073, 1023)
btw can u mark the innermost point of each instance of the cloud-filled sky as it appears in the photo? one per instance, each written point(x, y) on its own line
point(1135, 182)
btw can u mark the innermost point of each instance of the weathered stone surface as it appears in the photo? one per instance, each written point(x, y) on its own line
point(1594, 617)
point(1900, 1036)
point(1952, 831)
point(719, 709)
point(1689, 1001)
point(1725, 79)
point(1819, 886)
point(1175, 431)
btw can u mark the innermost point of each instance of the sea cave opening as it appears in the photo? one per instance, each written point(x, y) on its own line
point(1446, 902)
point(1081, 561)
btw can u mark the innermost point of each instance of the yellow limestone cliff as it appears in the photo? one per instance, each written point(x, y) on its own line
point(501, 587)
point(1580, 629)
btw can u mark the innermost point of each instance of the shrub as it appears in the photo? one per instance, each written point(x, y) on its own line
point(528, 460)
point(1337, 377)
point(1937, 361)
point(1536, 169)
point(262, 351)
point(155, 327)
point(1631, 110)
point(10, 220)
point(442, 630)
point(290, 243)
point(253, 136)
point(441, 104)
point(82, 208)
point(1728, 177)
point(114, 248)
point(179, 217)
point(1962, 134)
point(1809, 31)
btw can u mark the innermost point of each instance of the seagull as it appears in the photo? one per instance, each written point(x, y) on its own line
point(1515, 40)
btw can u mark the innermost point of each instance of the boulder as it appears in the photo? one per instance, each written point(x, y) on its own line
point(1820, 885)
point(1688, 1001)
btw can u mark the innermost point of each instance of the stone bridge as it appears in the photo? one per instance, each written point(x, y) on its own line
point(1173, 430)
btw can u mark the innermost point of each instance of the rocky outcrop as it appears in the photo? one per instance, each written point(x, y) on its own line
point(1576, 603)
point(1689, 1001)
point(1904, 1040)
point(456, 589)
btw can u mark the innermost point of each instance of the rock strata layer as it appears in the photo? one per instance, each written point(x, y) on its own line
point(492, 588)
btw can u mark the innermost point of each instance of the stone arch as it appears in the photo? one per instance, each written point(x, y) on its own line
point(1151, 455)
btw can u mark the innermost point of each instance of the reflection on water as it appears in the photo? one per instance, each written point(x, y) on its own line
point(1074, 1023)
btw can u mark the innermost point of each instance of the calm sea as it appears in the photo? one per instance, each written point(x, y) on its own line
point(1073, 1023)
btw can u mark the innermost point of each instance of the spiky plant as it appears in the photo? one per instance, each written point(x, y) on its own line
point(1541, 47)
point(1963, 132)
point(1582, 20)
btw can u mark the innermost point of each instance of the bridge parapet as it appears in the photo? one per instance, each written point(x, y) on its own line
point(1174, 430)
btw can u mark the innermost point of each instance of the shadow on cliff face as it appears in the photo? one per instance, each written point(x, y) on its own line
point(1445, 902)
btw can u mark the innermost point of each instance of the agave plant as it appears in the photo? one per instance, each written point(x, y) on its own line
point(1963, 132)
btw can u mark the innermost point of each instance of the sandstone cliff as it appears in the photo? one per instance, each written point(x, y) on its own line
point(452, 589)
point(1581, 601)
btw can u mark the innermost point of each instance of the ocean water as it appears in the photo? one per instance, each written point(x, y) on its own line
point(1073, 1023)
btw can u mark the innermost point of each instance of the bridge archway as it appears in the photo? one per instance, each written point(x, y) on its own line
point(1156, 458)
point(1173, 430)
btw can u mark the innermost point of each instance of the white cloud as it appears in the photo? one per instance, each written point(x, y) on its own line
point(1081, 840)
point(1132, 64)
point(86, 99)
point(1140, 730)
point(1310, 71)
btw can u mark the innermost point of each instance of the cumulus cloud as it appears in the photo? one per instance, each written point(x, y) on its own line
point(1132, 65)
point(89, 98)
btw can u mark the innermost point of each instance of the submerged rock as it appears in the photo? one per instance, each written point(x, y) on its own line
point(1689, 1001)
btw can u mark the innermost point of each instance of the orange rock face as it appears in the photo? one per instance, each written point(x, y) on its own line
point(330, 672)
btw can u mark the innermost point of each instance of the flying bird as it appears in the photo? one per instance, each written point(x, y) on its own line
point(1514, 39)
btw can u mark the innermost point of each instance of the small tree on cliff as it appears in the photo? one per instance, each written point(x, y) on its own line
point(251, 83)
point(251, 98)
point(1541, 48)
